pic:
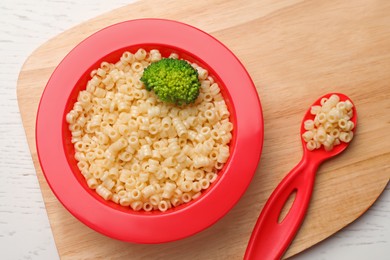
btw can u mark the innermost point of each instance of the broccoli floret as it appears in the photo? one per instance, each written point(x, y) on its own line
point(174, 81)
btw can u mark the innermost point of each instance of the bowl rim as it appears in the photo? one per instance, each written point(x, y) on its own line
point(151, 228)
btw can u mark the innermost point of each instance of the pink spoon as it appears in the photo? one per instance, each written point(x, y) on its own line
point(270, 239)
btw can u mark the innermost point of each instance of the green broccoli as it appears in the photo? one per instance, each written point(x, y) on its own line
point(174, 81)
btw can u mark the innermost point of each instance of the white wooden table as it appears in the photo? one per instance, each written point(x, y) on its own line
point(24, 228)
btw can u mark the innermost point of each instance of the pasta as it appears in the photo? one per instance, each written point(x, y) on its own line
point(331, 124)
point(141, 153)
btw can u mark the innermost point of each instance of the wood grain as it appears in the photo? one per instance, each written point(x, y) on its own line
point(294, 51)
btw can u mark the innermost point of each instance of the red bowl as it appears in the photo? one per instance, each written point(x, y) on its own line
point(56, 153)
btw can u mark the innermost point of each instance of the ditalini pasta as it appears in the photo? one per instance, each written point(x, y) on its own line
point(139, 152)
point(331, 124)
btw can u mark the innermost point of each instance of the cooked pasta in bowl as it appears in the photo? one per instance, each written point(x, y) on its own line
point(112, 150)
point(140, 152)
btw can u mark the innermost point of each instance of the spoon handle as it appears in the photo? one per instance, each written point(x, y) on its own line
point(270, 238)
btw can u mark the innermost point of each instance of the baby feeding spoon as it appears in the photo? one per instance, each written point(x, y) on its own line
point(271, 237)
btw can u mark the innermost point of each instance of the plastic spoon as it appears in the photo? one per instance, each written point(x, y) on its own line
point(270, 239)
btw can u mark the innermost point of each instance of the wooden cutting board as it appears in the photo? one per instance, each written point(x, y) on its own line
point(295, 51)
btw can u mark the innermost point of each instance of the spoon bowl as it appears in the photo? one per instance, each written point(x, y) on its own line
point(321, 154)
